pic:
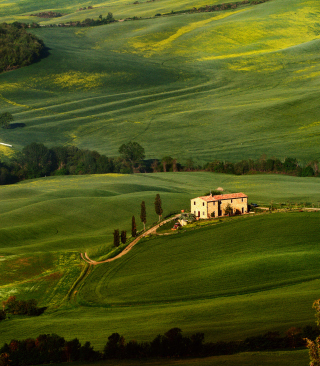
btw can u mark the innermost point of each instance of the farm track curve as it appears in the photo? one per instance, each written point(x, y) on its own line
point(86, 258)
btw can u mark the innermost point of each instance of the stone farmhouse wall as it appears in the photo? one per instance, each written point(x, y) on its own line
point(214, 206)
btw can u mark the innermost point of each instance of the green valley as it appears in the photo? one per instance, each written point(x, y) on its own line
point(224, 85)
point(263, 267)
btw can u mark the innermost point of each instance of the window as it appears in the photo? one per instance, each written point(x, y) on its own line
point(203, 213)
point(202, 203)
point(242, 210)
point(194, 202)
point(241, 199)
point(231, 201)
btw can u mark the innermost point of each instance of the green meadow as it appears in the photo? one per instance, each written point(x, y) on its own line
point(235, 278)
point(226, 85)
point(223, 85)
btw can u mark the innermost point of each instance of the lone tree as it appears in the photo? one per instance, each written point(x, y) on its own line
point(132, 153)
point(116, 238)
point(5, 119)
point(228, 210)
point(123, 236)
point(157, 206)
point(143, 214)
point(133, 227)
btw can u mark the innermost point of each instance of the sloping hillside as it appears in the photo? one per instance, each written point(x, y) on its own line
point(227, 85)
point(263, 267)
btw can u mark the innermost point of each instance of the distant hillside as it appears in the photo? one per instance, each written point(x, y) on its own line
point(227, 85)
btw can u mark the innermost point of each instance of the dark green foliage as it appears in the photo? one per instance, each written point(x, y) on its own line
point(116, 238)
point(133, 227)
point(123, 236)
point(88, 22)
point(47, 348)
point(228, 210)
point(158, 206)
point(114, 347)
point(2, 315)
point(47, 14)
point(18, 47)
point(21, 307)
point(52, 348)
point(289, 166)
point(143, 214)
point(132, 153)
point(36, 160)
point(5, 119)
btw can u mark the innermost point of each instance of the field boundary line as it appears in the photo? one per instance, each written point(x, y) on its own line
point(87, 259)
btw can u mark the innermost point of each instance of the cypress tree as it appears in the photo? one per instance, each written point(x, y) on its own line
point(123, 237)
point(133, 227)
point(157, 206)
point(143, 214)
point(116, 238)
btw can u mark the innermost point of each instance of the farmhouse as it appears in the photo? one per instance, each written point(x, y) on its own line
point(213, 206)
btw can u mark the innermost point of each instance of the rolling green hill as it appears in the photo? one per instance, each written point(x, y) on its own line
point(226, 85)
point(264, 268)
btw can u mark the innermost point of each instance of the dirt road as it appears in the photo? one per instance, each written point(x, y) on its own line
point(86, 258)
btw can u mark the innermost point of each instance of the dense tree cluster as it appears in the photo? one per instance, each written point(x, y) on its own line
point(53, 348)
point(288, 166)
point(218, 7)
point(20, 307)
point(18, 48)
point(47, 14)
point(88, 22)
point(45, 349)
point(36, 160)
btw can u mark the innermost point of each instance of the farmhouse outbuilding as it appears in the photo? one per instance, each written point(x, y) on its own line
point(214, 206)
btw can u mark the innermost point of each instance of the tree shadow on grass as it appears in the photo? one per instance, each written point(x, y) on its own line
point(13, 126)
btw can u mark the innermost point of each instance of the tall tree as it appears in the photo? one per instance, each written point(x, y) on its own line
point(143, 214)
point(133, 227)
point(116, 238)
point(5, 119)
point(123, 236)
point(158, 206)
point(132, 153)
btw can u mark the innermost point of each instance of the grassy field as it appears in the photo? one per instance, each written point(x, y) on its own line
point(264, 267)
point(227, 85)
point(296, 358)
point(224, 85)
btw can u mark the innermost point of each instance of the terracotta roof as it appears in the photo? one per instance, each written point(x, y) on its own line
point(223, 197)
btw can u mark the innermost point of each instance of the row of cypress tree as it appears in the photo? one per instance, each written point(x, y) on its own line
point(117, 237)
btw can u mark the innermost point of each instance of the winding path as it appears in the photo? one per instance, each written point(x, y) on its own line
point(86, 258)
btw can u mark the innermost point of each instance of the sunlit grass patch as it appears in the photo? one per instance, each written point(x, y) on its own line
point(150, 46)
point(75, 79)
point(6, 151)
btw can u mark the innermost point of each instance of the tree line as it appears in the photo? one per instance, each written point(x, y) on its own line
point(18, 48)
point(88, 22)
point(36, 160)
point(52, 348)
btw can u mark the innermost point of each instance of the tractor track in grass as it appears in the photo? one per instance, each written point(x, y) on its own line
point(90, 261)
point(83, 275)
